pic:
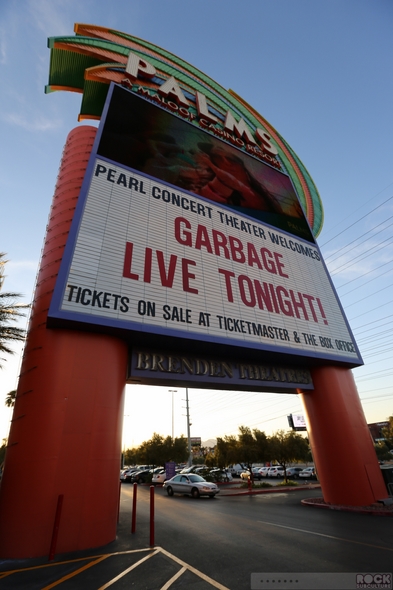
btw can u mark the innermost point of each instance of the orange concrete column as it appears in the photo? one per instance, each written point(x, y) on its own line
point(65, 436)
point(340, 440)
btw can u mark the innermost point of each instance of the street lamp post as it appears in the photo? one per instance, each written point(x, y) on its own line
point(172, 391)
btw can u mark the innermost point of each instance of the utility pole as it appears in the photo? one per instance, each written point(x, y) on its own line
point(188, 430)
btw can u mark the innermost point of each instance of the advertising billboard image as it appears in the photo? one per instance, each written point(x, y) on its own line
point(152, 140)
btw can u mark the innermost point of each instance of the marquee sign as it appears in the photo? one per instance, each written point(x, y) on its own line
point(193, 241)
point(96, 56)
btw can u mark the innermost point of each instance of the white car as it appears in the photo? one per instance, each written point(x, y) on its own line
point(159, 477)
point(276, 471)
point(190, 483)
point(236, 470)
point(309, 473)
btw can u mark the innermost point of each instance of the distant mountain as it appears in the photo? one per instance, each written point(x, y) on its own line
point(209, 443)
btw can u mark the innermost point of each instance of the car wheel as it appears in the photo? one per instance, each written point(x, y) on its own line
point(195, 493)
point(169, 491)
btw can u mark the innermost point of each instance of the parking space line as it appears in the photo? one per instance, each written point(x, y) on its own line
point(126, 571)
point(281, 526)
point(193, 570)
point(174, 578)
point(45, 565)
point(76, 572)
point(96, 559)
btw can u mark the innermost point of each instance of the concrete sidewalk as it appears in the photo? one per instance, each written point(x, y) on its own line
point(236, 489)
point(239, 489)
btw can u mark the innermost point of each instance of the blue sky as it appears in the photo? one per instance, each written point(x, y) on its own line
point(320, 72)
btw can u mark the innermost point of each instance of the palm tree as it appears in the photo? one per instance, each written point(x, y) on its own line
point(10, 398)
point(10, 310)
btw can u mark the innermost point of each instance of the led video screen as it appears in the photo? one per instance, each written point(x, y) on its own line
point(139, 134)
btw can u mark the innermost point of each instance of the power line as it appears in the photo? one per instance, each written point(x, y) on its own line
point(362, 256)
point(342, 250)
point(355, 222)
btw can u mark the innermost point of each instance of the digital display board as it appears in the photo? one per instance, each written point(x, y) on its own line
point(145, 255)
point(152, 140)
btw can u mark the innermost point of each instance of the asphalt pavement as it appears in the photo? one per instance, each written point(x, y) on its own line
point(142, 560)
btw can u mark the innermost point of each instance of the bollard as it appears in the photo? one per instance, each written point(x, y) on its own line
point(118, 506)
point(133, 519)
point(56, 528)
point(151, 516)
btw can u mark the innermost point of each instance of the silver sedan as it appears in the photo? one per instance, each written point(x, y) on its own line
point(190, 484)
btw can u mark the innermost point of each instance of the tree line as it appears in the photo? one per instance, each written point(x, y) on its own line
point(384, 448)
point(248, 447)
point(158, 451)
point(254, 446)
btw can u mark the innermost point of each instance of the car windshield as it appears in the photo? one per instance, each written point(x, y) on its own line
point(195, 478)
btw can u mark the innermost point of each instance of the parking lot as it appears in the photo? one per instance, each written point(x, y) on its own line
point(214, 543)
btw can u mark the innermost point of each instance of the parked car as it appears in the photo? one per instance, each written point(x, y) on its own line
point(257, 473)
point(308, 473)
point(220, 475)
point(125, 475)
point(193, 484)
point(139, 476)
point(263, 471)
point(144, 475)
point(192, 469)
point(293, 472)
point(203, 470)
point(158, 477)
point(236, 470)
point(275, 471)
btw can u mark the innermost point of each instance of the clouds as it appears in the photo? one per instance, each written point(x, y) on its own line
point(39, 123)
point(51, 15)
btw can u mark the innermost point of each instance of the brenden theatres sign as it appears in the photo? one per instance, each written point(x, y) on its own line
point(180, 234)
point(153, 367)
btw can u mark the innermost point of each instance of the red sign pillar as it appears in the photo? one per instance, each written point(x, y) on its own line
point(341, 444)
point(65, 436)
